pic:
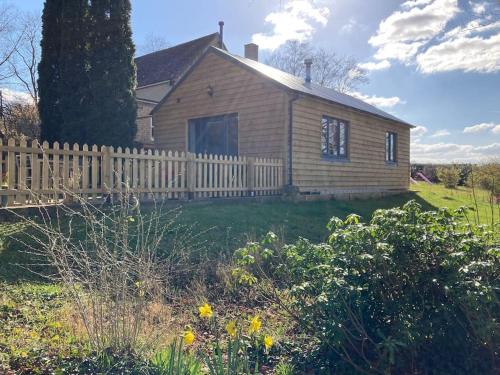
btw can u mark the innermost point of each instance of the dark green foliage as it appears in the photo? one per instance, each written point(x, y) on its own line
point(87, 73)
point(408, 292)
point(112, 74)
point(74, 84)
point(48, 72)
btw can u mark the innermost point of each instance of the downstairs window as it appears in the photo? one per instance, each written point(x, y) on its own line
point(217, 135)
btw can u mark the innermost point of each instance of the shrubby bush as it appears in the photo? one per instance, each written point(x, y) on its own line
point(486, 176)
point(408, 292)
point(449, 176)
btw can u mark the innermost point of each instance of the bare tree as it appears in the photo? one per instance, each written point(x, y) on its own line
point(152, 43)
point(9, 37)
point(23, 64)
point(20, 120)
point(330, 70)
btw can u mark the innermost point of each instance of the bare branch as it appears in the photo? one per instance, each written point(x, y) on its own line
point(328, 69)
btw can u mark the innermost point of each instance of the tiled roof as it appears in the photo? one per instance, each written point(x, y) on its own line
point(169, 64)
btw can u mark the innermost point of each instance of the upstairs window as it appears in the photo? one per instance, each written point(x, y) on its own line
point(390, 147)
point(334, 134)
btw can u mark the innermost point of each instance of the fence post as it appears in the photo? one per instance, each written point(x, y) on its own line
point(106, 183)
point(11, 171)
point(251, 176)
point(191, 174)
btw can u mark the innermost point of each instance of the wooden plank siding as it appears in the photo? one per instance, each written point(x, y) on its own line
point(260, 105)
point(263, 121)
point(365, 170)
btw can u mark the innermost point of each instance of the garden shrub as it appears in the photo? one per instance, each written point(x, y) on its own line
point(408, 292)
point(486, 176)
point(449, 176)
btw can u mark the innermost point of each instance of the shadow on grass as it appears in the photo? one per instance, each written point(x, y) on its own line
point(14, 257)
point(225, 226)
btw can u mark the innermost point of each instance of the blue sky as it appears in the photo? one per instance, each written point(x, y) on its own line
point(433, 63)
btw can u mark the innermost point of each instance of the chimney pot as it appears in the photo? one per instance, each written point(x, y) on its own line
point(221, 34)
point(308, 63)
point(252, 51)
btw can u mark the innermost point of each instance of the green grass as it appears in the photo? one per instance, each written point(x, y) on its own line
point(28, 318)
point(224, 226)
point(480, 208)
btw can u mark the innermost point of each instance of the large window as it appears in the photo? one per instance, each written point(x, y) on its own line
point(334, 135)
point(391, 147)
point(216, 135)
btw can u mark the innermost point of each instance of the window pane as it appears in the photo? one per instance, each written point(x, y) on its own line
point(393, 142)
point(333, 138)
point(387, 135)
point(232, 137)
point(342, 139)
point(214, 135)
point(324, 135)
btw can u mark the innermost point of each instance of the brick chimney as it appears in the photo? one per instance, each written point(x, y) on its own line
point(252, 51)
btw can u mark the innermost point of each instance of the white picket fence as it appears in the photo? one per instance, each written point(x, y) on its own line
point(39, 174)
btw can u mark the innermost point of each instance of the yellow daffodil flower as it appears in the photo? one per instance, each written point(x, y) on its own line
point(205, 311)
point(255, 324)
point(231, 328)
point(188, 337)
point(268, 342)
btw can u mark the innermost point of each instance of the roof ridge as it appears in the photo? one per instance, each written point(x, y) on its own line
point(177, 45)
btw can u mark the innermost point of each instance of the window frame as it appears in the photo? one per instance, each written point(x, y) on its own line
point(335, 121)
point(202, 122)
point(391, 142)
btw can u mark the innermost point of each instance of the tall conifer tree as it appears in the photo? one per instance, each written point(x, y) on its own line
point(74, 84)
point(113, 72)
point(87, 72)
point(48, 72)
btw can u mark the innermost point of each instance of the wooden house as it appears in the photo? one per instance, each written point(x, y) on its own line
point(331, 143)
point(156, 74)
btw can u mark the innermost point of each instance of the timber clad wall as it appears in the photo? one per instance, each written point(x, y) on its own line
point(261, 108)
point(365, 170)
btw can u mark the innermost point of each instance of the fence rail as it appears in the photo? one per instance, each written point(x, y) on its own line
point(39, 174)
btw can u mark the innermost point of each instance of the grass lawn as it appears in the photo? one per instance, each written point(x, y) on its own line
point(29, 311)
point(222, 227)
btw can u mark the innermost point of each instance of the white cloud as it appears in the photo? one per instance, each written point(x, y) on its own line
point(403, 52)
point(297, 21)
point(440, 133)
point(400, 35)
point(378, 101)
point(350, 26)
point(381, 65)
point(452, 152)
point(470, 54)
point(414, 3)
point(418, 131)
point(13, 96)
point(478, 8)
point(480, 128)
point(496, 129)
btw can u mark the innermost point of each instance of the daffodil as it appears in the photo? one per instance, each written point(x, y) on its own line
point(231, 328)
point(268, 342)
point(205, 311)
point(188, 337)
point(255, 324)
